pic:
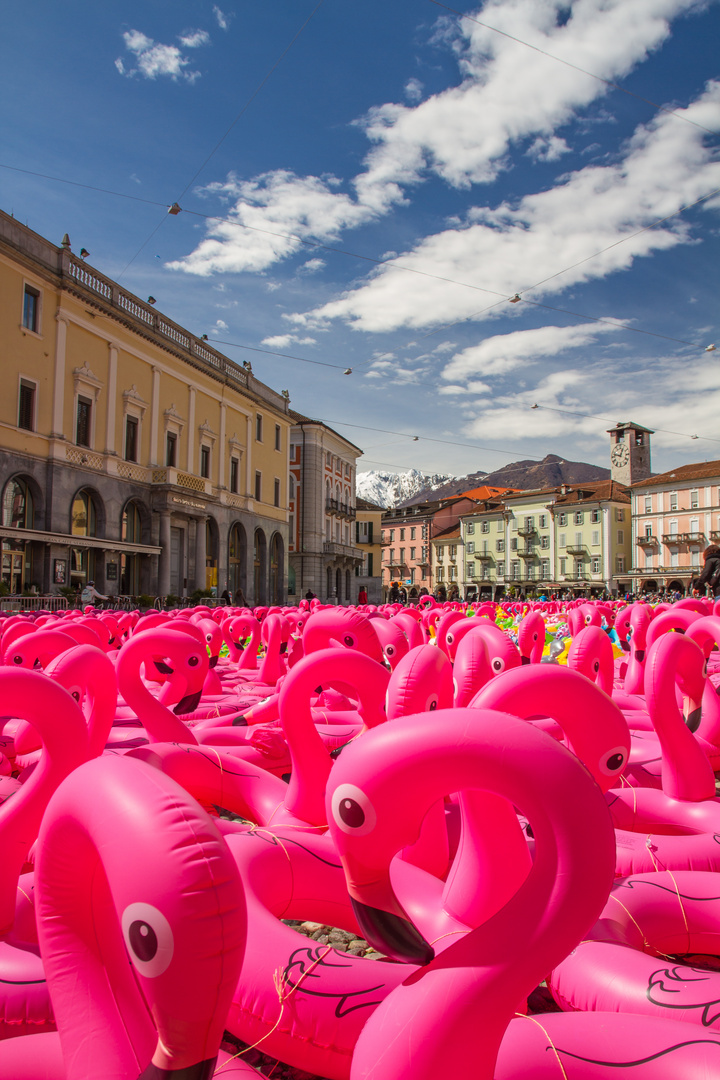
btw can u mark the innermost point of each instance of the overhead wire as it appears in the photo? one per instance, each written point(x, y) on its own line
point(243, 110)
point(575, 67)
point(606, 420)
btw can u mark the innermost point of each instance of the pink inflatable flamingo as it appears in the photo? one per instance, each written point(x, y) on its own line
point(640, 619)
point(393, 641)
point(89, 677)
point(531, 638)
point(171, 904)
point(674, 828)
point(55, 715)
point(379, 793)
point(624, 963)
point(186, 673)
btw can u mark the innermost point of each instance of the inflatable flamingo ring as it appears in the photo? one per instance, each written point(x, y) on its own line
point(379, 792)
point(167, 898)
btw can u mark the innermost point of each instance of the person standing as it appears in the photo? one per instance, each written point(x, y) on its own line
point(710, 575)
point(90, 594)
point(362, 595)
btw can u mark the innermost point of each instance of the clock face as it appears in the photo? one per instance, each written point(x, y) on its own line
point(620, 454)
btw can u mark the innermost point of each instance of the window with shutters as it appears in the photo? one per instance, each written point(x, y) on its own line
point(26, 405)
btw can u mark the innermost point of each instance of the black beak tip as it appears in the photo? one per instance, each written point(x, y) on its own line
point(693, 720)
point(525, 659)
point(187, 704)
point(392, 935)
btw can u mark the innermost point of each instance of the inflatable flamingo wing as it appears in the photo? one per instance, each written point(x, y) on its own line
point(130, 868)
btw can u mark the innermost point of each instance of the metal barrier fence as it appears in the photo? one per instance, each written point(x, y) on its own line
point(32, 603)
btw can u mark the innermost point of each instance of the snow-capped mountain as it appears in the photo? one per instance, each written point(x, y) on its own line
point(391, 489)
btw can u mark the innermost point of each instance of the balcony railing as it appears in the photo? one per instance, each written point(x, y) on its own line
point(526, 530)
point(527, 553)
point(335, 506)
point(330, 547)
point(576, 549)
point(715, 534)
point(693, 537)
point(647, 539)
point(483, 556)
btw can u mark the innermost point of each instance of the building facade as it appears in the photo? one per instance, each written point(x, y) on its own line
point(574, 538)
point(368, 530)
point(675, 515)
point(133, 454)
point(323, 554)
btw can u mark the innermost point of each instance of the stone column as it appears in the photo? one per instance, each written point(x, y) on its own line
point(222, 450)
point(110, 447)
point(164, 567)
point(249, 478)
point(59, 387)
point(155, 416)
point(200, 553)
point(191, 432)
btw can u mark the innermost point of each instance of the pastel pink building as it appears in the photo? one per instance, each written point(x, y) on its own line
point(675, 515)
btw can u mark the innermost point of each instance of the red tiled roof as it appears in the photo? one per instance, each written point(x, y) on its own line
point(699, 470)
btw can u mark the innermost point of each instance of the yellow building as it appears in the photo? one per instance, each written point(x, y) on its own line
point(132, 453)
point(368, 535)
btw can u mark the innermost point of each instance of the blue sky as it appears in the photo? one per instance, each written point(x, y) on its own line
point(472, 166)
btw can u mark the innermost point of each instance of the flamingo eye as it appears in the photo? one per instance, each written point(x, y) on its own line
point(390, 650)
point(352, 810)
point(613, 760)
point(349, 640)
point(450, 638)
point(535, 637)
point(596, 666)
point(498, 665)
point(148, 937)
point(432, 704)
point(193, 661)
point(76, 695)
point(17, 659)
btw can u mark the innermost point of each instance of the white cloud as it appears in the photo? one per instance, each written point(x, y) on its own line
point(275, 207)
point(311, 266)
point(155, 60)
point(192, 39)
point(507, 248)
point(508, 97)
point(223, 20)
point(506, 352)
point(548, 149)
point(220, 327)
point(282, 341)
point(413, 90)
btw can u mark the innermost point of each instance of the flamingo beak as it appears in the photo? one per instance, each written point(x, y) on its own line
point(525, 659)
point(392, 935)
point(213, 661)
point(639, 655)
point(203, 1070)
point(693, 714)
point(188, 704)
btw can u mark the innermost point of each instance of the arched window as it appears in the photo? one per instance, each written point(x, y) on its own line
point(130, 562)
point(260, 564)
point(276, 569)
point(237, 547)
point(17, 513)
point(17, 505)
point(83, 522)
point(83, 515)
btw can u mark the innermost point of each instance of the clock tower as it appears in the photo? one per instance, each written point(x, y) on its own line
point(629, 453)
